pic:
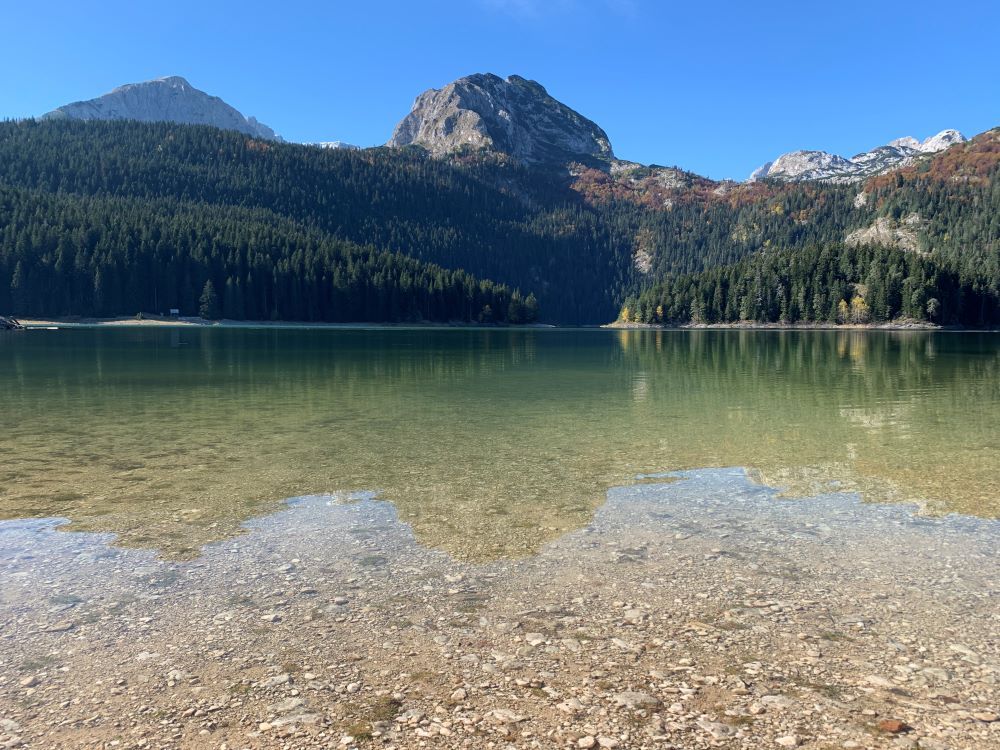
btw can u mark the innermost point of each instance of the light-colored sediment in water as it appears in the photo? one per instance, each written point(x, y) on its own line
point(703, 613)
point(171, 439)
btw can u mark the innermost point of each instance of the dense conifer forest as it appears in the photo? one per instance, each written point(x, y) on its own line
point(937, 258)
point(402, 202)
point(116, 218)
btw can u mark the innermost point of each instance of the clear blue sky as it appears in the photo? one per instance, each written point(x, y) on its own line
point(715, 87)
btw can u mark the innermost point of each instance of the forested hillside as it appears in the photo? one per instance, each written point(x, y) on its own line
point(541, 239)
point(67, 255)
point(925, 246)
point(106, 218)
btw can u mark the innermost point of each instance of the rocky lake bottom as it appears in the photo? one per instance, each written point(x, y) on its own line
point(695, 610)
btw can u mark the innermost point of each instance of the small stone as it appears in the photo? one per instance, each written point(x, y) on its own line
point(777, 701)
point(287, 705)
point(634, 616)
point(717, 729)
point(877, 681)
point(340, 600)
point(176, 675)
point(570, 706)
point(586, 742)
point(29, 682)
point(280, 679)
point(789, 740)
point(635, 700)
point(271, 617)
point(353, 687)
point(987, 716)
point(607, 742)
point(534, 639)
point(459, 695)
point(503, 716)
point(59, 627)
point(264, 726)
point(893, 726)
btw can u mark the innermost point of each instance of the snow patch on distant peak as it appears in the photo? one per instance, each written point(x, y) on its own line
point(907, 141)
point(821, 165)
point(336, 145)
point(941, 141)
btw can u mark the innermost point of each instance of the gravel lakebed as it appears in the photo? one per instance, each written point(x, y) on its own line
point(695, 611)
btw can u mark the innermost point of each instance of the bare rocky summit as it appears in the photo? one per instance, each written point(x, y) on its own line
point(170, 99)
point(820, 165)
point(512, 116)
point(336, 145)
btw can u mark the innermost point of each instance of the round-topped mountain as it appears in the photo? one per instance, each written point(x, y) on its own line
point(170, 99)
point(513, 116)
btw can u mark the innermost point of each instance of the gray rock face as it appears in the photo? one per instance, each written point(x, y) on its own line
point(887, 232)
point(170, 99)
point(513, 116)
point(820, 165)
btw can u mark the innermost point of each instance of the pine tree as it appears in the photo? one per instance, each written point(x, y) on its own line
point(209, 303)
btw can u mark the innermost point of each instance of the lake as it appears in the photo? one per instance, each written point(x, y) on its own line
point(488, 442)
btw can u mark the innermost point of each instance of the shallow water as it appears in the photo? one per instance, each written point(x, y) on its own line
point(488, 442)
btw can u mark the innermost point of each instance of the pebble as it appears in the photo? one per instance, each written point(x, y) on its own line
point(893, 726)
point(635, 700)
point(717, 729)
point(757, 650)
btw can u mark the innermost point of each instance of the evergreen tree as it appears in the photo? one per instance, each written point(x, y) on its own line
point(208, 303)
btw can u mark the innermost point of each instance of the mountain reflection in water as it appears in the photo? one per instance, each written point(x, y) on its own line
point(489, 442)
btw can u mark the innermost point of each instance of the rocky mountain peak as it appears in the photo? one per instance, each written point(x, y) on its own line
point(513, 116)
point(169, 99)
point(941, 141)
point(820, 165)
point(907, 141)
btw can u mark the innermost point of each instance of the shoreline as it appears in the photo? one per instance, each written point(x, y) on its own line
point(753, 326)
point(196, 322)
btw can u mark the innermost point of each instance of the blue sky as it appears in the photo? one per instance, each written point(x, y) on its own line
point(715, 87)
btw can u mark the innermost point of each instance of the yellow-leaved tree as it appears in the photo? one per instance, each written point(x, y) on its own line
point(859, 310)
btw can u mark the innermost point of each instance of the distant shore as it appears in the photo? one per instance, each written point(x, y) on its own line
point(152, 321)
point(164, 321)
point(908, 325)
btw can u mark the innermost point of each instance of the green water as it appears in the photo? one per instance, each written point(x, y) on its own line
point(490, 442)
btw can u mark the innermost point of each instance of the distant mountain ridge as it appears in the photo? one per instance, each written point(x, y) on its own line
point(823, 166)
point(335, 145)
point(512, 116)
point(170, 99)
